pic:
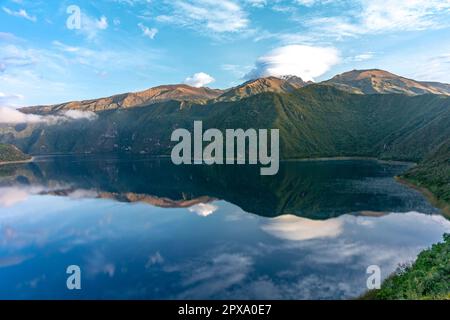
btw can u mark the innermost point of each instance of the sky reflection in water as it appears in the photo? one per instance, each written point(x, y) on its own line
point(200, 249)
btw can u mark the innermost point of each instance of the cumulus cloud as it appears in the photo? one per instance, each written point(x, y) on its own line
point(13, 116)
point(307, 62)
point(200, 79)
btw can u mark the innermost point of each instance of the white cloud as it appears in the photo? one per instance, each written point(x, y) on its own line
point(434, 68)
point(198, 80)
point(154, 259)
point(306, 3)
point(148, 32)
point(203, 209)
point(9, 99)
point(13, 116)
point(304, 61)
point(102, 24)
point(294, 228)
point(22, 13)
point(10, 196)
point(363, 56)
point(90, 26)
point(379, 16)
point(257, 3)
point(210, 15)
point(79, 115)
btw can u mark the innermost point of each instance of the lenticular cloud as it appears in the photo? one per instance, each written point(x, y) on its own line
point(307, 62)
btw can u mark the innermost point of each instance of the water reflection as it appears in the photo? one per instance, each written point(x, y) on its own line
point(197, 239)
point(316, 189)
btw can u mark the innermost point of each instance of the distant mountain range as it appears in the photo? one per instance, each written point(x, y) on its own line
point(368, 113)
point(372, 81)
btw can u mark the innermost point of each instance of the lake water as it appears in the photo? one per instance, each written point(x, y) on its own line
point(142, 228)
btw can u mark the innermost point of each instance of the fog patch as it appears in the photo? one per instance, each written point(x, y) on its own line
point(10, 115)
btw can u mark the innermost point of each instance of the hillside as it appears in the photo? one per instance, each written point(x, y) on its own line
point(434, 173)
point(9, 153)
point(380, 81)
point(180, 92)
point(314, 121)
point(428, 278)
point(269, 84)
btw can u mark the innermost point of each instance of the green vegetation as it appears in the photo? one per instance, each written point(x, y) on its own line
point(9, 153)
point(434, 173)
point(427, 278)
point(314, 121)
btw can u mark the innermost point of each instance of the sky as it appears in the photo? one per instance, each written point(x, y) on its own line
point(57, 51)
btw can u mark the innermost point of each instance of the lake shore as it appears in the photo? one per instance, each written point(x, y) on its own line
point(348, 158)
point(444, 206)
point(17, 162)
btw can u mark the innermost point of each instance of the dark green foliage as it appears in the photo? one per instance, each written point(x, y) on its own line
point(427, 278)
point(315, 121)
point(434, 173)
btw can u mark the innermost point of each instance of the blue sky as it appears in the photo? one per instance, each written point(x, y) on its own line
point(131, 45)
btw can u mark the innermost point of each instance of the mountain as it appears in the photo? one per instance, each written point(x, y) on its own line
point(10, 153)
point(180, 92)
point(379, 81)
point(250, 88)
point(314, 121)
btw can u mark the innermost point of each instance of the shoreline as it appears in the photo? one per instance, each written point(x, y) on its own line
point(440, 204)
point(17, 162)
point(348, 158)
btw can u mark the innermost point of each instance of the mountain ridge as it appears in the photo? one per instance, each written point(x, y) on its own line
point(377, 81)
point(368, 81)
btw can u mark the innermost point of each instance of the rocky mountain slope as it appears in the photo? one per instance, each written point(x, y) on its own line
point(180, 92)
point(380, 81)
point(269, 84)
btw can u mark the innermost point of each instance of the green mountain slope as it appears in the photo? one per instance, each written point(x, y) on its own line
point(314, 121)
point(434, 173)
point(9, 153)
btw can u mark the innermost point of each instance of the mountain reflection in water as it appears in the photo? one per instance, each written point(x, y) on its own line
point(146, 229)
point(312, 189)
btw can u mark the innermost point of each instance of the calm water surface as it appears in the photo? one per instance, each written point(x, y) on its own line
point(142, 228)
